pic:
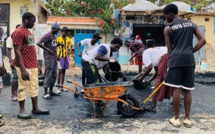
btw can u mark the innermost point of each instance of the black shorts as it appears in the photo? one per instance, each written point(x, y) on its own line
point(181, 77)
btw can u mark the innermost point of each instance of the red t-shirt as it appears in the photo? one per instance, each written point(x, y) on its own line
point(24, 37)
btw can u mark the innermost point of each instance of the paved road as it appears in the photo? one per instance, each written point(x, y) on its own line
point(74, 115)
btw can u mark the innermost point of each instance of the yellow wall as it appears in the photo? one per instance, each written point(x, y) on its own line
point(15, 17)
point(209, 35)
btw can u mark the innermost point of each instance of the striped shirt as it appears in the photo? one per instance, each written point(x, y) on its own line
point(63, 45)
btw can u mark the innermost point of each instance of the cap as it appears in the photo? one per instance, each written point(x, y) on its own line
point(149, 34)
point(55, 25)
point(96, 35)
point(65, 29)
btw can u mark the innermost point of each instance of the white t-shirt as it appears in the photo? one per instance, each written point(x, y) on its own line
point(87, 45)
point(153, 55)
point(10, 45)
point(90, 56)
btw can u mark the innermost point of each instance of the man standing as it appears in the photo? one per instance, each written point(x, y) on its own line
point(181, 63)
point(26, 65)
point(49, 45)
point(88, 45)
point(11, 56)
point(64, 45)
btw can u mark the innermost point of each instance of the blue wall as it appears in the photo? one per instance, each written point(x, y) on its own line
point(79, 35)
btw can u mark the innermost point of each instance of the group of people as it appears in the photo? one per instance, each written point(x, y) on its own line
point(173, 64)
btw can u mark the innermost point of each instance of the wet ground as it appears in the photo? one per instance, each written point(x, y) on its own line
point(75, 115)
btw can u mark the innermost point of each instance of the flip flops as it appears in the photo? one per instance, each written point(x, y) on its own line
point(1, 123)
point(47, 96)
point(188, 123)
point(41, 112)
point(175, 122)
point(54, 94)
point(24, 116)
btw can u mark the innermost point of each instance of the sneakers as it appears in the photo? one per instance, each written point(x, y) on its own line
point(175, 122)
point(188, 123)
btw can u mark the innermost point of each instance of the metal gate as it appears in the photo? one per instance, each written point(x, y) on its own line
point(5, 22)
point(201, 54)
point(79, 35)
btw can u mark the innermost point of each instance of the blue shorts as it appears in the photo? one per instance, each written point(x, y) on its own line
point(63, 63)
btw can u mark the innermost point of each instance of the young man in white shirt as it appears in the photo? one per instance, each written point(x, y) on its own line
point(88, 45)
point(156, 57)
point(97, 58)
point(11, 56)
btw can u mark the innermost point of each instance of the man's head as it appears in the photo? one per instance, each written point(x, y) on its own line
point(65, 31)
point(96, 38)
point(127, 43)
point(170, 11)
point(132, 37)
point(18, 25)
point(116, 43)
point(28, 19)
point(55, 28)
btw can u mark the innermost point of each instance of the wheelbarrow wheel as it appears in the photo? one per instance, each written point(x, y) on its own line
point(125, 110)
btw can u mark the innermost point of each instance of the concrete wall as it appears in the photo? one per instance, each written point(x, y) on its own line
point(209, 35)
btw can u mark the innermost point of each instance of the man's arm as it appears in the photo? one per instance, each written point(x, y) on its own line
point(101, 52)
point(167, 33)
point(147, 71)
point(200, 37)
point(24, 73)
point(133, 56)
point(154, 75)
point(40, 44)
point(9, 54)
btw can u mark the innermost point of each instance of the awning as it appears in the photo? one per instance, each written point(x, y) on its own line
point(183, 8)
point(141, 6)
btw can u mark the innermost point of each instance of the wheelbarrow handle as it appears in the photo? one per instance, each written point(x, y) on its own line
point(158, 88)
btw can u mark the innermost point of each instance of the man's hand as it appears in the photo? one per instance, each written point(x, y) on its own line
point(80, 54)
point(2, 71)
point(25, 75)
point(52, 52)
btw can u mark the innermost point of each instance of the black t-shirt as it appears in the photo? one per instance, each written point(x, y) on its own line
point(182, 44)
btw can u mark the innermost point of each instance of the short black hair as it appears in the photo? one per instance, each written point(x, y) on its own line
point(170, 8)
point(27, 16)
point(117, 41)
point(132, 35)
point(18, 25)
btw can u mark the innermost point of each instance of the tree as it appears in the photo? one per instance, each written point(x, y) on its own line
point(100, 9)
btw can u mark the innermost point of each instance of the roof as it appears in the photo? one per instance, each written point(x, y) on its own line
point(72, 20)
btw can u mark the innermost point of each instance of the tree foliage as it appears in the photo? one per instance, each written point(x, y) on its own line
point(101, 9)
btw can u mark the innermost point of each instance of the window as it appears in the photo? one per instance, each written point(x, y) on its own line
point(207, 19)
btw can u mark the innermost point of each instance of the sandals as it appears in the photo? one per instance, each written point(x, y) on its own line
point(41, 112)
point(188, 123)
point(47, 96)
point(175, 122)
point(14, 99)
point(1, 123)
point(54, 94)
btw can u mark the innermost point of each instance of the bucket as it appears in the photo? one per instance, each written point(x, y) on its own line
point(112, 71)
